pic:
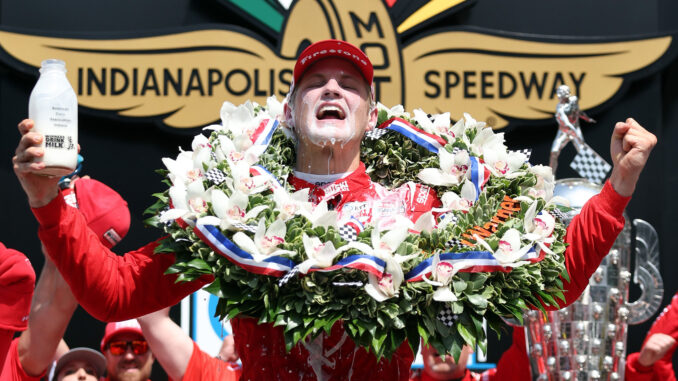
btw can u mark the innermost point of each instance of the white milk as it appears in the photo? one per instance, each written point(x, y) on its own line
point(53, 107)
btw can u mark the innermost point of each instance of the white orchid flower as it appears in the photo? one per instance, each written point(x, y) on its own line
point(320, 255)
point(510, 248)
point(230, 210)
point(188, 202)
point(181, 169)
point(265, 242)
point(539, 227)
point(487, 141)
point(545, 182)
point(453, 201)
point(202, 152)
point(384, 247)
point(320, 215)
point(503, 163)
point(243, 181)
point(441, 277)
point(452, 169)
point(238, 150)
point(289, 205)
point(439, 126)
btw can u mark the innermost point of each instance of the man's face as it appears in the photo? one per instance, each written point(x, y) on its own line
point(448, 369)
point(128, 366)
point(78, 370)
point(332, 105)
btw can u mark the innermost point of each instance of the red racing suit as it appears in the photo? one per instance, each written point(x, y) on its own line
point(666, 323)
point(113, 288)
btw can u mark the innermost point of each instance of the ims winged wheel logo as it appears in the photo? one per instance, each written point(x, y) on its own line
point(182, 78)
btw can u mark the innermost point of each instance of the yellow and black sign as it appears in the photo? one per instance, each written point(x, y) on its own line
point(183, 78)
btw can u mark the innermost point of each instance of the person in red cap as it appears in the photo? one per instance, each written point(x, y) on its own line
point(30, 355)
point(181, 357)
point(654, 362)
point(127, 352)
point(330, 108)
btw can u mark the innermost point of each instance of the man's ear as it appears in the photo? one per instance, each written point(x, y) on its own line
point(373, 116)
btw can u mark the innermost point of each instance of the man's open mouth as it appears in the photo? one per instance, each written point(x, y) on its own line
point(330, 112)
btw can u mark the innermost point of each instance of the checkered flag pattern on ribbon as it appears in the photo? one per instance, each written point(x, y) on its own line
point(447, 317)
point(526, 151)
point(348, 233)
point(215, 176)
point(249, 228)
point(558, 214)
point(452, 242)
point(590, 165)
point(376, 133)
point(286, 278)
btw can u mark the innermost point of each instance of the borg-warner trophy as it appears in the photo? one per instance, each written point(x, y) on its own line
point(587, 340)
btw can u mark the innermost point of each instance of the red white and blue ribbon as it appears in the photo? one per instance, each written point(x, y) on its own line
point(258, 170)
point(274, 265)
point(262, 135)
point(429, 141)
point(367, 263)
point(471, 261)
point(479, 175)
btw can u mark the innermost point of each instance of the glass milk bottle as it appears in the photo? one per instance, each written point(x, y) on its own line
point(53, 107)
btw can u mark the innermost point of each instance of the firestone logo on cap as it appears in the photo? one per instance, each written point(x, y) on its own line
point(333, 52)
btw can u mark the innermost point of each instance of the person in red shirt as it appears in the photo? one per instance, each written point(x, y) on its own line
point(654, 362)
point(53, 303)
point(513, 364)
point(181, 357)
point(330, 108)
point(127, 353)
point(17, 280)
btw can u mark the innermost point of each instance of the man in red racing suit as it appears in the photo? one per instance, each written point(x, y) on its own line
point(330, 108)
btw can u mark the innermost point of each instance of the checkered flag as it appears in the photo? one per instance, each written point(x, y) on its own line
point(452, 242)
point(286, 278)
point(215, 176)
point(558, 214)
point(249, 228)
point(447, 317)
point(348, 233)
point(590, 165)
point(526, 151)
point(376, 133)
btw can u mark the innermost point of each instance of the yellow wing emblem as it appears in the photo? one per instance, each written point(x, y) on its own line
point(494, 78)
point(183, 78)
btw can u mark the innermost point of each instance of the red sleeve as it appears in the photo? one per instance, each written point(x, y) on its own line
point(108, 286)
point(637, 372)
point(11, 369)
point(666, 323)
point(17, 281)
point(590, 237)
point(203, 367)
